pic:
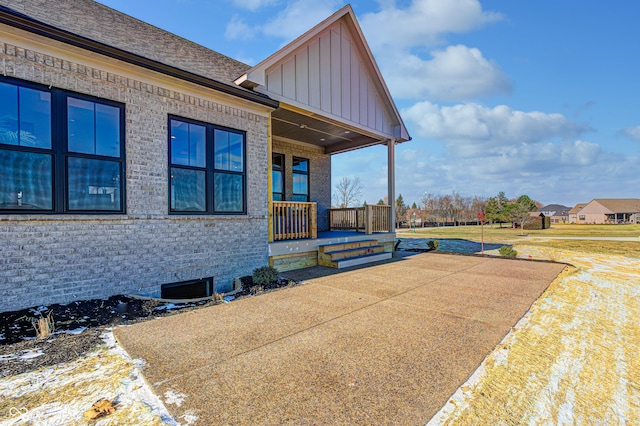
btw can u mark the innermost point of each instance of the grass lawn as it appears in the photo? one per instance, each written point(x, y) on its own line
point(505, 235)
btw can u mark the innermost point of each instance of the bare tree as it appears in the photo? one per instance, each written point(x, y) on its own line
point(348, 192)
point(429, 208)
point(445, 203)
point(478, 205)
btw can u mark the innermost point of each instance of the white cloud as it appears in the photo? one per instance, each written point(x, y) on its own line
point(468, 129)
point(488, 150)
point(403, 41)
point(453, 74)
point(566, 172)
point(252, 4)
point(632, 133)
point(423, 22)
point(237, 29)
point(298, 17)
point(295, 19)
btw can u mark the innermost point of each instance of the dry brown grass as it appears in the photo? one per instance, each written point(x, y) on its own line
point(617, 248)
point(44, 326)
point(572, 360)
point(496, 233)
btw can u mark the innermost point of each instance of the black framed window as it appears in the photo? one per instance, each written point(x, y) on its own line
point(60, 152)
point(207, 168)
point(277, 176)
point(300, 179)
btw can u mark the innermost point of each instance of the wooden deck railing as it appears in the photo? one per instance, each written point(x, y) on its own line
point(374, 218)
point(294, 220)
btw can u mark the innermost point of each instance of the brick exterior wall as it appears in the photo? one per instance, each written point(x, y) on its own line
point(48, 259)
point(319, 176)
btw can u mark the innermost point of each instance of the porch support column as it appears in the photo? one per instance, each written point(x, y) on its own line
point(269, 180)
point(391, 182)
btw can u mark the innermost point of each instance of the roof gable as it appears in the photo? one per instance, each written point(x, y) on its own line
point(577, 208)
point(330, 71)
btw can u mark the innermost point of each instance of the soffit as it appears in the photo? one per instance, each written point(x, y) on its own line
point(331, 136)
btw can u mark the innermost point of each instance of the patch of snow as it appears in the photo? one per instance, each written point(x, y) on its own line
point(171, 397)
point(189, 418)
point(30, 354)
point(8, 357)
point(168, 307)
point(39, 310)
point(501, 356)
point(78, 330)
point(26, 355)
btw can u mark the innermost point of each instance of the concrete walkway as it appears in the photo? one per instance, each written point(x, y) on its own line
point(386, 344)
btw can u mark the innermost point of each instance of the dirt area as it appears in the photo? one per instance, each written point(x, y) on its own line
point(56, 380)
point(78, 326)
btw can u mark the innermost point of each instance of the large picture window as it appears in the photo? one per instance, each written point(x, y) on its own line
point(206, 168)
point(60, 152)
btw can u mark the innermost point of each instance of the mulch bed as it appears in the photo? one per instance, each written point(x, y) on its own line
point(78, 326)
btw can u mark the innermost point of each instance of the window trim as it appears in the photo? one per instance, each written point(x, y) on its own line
point(307, 174)
point(209, 169)
point(60, 153)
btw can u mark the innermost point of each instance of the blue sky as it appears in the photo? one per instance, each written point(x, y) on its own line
point(539, 97)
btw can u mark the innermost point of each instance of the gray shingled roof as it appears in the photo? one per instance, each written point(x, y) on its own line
point(103, 24)
point(558, 209)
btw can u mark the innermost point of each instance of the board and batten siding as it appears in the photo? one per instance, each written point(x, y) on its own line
point(329, 74)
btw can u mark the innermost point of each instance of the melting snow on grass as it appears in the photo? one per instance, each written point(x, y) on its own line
point(571, 360)
point(63, 393)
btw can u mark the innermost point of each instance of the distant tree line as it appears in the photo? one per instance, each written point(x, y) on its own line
point(455, 209)
point(448, 209)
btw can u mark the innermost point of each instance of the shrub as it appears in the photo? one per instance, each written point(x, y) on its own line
point(508, 251)
point(433, 244)
point(264, 275)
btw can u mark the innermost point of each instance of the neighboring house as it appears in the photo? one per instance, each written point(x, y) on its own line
point(134, 159)
point(556, 213)
point(608, 211)
point(573, 213)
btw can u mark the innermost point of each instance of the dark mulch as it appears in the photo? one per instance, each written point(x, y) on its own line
point(78, 326)
point(248, 288)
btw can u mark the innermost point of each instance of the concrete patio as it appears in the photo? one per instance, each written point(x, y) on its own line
point(385, 344)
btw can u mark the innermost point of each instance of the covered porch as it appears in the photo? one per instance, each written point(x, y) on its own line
point(332, 99)
point(291, 220)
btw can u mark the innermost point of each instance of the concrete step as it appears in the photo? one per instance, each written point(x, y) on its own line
point(361, 260)
point(351, 252)
point(330, 248)
point(342, 255)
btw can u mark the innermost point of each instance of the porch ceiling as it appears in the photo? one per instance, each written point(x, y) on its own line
point(332, 136)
